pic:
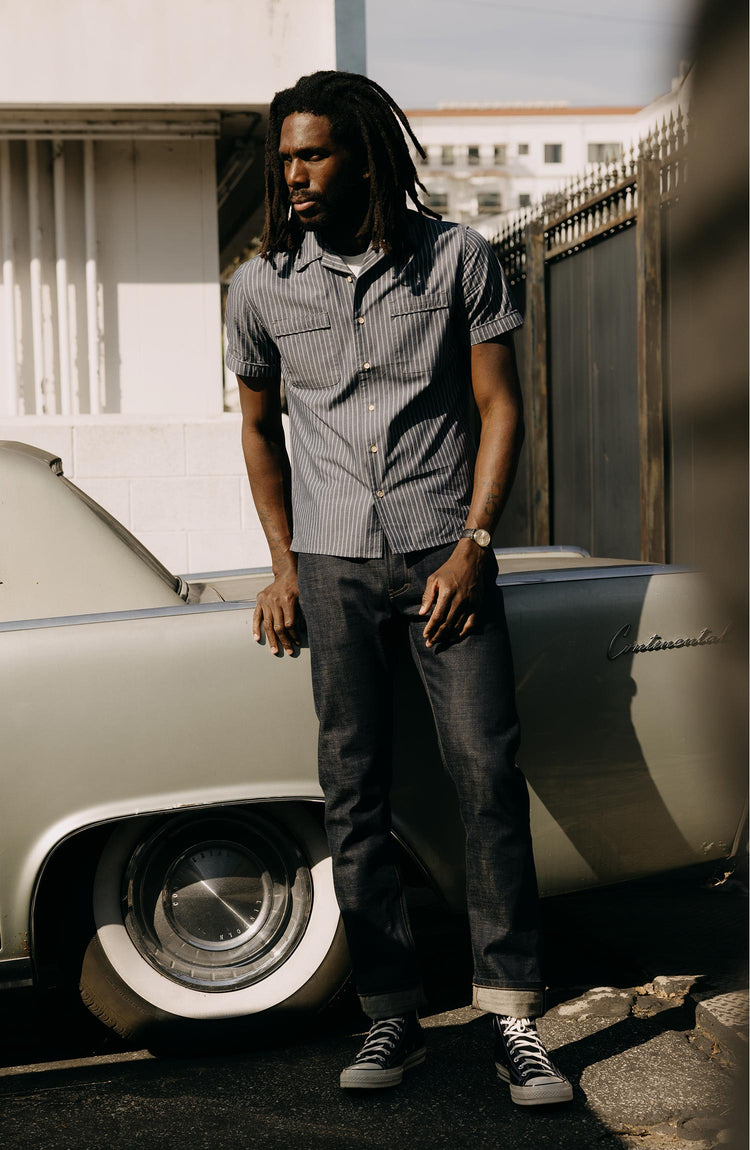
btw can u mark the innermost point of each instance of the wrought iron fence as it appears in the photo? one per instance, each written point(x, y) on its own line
point(595, 301)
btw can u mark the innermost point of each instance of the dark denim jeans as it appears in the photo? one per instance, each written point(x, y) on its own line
point(355, 610)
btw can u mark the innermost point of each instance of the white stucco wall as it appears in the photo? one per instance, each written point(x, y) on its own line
point(160, 52)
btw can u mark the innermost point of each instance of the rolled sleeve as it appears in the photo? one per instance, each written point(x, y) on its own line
point(490, 308)
point(251, 352)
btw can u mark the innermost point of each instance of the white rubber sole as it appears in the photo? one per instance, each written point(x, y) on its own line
point(374, 1078)
point(542, 1095)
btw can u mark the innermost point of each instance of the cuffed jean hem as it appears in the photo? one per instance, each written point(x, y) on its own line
point(392, 1005)
point(508, 1000)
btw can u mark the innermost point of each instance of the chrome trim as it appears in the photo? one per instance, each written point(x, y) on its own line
point(555, 549)
point(181, 934)
point(15, 973)
point(119, 616)
point(195, 575)
point(552, 549)
point(571, 574)
point(519, 578)
point(16, 447)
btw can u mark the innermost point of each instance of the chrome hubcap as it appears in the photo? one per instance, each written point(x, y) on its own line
point(217, 902)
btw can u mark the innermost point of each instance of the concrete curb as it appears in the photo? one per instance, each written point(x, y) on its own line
point(723, 1021)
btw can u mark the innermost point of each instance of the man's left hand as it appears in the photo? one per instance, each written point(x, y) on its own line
point(453, 595)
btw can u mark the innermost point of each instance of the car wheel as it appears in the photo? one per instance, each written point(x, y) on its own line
point(207, 920)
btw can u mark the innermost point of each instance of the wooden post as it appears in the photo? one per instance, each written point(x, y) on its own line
point(535, 334)
point(650, 383)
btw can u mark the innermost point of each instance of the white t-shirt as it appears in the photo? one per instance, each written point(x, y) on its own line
point(354, 263)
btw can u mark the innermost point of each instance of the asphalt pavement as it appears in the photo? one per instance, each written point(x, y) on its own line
point(647, 1017)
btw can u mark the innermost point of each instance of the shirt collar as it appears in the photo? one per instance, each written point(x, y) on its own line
point(312, 249)
point(309, 250)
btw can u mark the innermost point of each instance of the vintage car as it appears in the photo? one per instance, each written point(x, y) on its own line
point(161, 825)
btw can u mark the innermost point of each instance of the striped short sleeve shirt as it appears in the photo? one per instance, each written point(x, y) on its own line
point(376, 369)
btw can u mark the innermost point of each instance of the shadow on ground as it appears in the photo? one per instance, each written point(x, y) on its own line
point(286, 1094)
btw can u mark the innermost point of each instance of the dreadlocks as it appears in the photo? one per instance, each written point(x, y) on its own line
point(369, 123)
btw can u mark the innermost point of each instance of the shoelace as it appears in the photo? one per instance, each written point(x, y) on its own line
point(525, 1048)
point(383, 1036)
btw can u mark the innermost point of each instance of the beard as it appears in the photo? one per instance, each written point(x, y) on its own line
point(315, 220)
point(342, 209)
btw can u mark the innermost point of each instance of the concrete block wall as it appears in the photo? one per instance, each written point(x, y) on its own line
point(179, 485)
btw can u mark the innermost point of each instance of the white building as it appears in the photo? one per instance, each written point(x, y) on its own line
point(131, 156)
point(483, 162)
point(131, 164)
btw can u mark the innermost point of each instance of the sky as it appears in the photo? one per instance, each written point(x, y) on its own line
point(583, 52)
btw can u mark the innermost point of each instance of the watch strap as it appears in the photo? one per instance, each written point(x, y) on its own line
point(481, 537)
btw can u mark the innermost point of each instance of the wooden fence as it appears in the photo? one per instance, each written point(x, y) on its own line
point(590, 270)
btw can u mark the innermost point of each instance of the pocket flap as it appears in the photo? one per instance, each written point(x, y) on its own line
point(300, 322)
point(417, 303)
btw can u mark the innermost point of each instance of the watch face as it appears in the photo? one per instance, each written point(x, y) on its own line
point(482, 537)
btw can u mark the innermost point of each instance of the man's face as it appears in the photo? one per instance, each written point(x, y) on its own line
point(326, 189)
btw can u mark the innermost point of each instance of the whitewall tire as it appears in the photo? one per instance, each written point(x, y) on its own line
point(212, 916)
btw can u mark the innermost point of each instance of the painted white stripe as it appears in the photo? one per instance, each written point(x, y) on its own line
point(61, 270)
point(13, 404)
point(92, 308)
point(35, 277)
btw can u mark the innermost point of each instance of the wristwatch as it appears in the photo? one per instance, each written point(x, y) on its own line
point(481, 537)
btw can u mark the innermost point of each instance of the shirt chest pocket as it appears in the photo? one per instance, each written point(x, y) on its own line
point(308, 348)
point(419, 327)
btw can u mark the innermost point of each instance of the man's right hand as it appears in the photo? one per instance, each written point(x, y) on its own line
point(277, 612)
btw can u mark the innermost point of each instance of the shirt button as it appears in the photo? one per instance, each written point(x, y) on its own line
point(379, 494)
point(360, 319)
point(350, 279)
point(371, 407)
point(374, 447)
point(366, 366)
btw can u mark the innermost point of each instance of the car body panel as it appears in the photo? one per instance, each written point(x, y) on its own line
point(144, 713)
point(116, 714)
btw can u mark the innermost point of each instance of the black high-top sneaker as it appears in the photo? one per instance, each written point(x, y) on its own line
point(522, 1062)
point(392, 1046)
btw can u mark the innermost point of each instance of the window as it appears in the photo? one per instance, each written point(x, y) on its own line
point(524, 200)
point(489, 201)
point(523, 149)
point(604, 153)
point(499, 154)
point(472, 155)
point(446, 156)
point(438, 201)
point(553, 153)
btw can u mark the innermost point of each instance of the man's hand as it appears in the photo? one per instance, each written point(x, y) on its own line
point(277, 611)
point(454, 592)
point(453, 595)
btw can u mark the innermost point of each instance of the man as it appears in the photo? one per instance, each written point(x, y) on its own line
point(388, 327)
